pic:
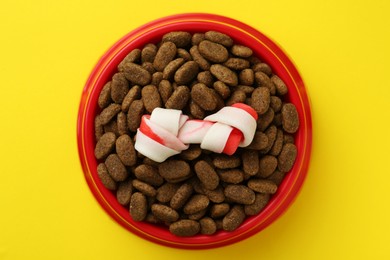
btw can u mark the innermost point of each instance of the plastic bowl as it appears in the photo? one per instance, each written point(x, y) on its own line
point(241, 33)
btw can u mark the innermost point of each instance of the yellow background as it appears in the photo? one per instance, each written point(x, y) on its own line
point(47, 50)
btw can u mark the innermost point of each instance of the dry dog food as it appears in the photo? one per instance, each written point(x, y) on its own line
point(196, 191)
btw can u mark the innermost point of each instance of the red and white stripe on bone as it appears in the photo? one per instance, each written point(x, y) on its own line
point(167, 132)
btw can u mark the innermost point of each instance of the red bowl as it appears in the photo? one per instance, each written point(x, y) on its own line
point(241, 33)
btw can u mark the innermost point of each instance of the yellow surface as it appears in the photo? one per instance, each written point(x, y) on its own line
point(48, 49)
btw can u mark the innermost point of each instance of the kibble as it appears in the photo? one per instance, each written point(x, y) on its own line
point(105, 178)
point(196, 191)
point(138, 206)
point(123, 194)
point(105, 145)
point(164, 213)
point(134, 115)
point(105, 95)
point(240, 194)
point(290, 118)
point(165, 54)
point(185, 228)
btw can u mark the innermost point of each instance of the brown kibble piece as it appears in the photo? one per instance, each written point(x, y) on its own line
point(216, 195)
point(193, 152)
point(186, 73)
point(138, 206)
point(197, 38)
point(119, 87)
point(99, 130)
point(278, 144)
point(277, 177)
point(150, 97)
point(206, 78)
point(241, 51)
point(123, 194)
point(219, 210)
point(164, 213)
point(222, 89)
point(239, 193)
point(263, 80)
point(179, 98)
point(271, 133)
point(262, 67)
point(261, 99)
point(261, 201)
point(275, 103)
point(290, 118)
point(281, 88)
point(224, 74)
point(181, 196)
point(148, 53)
point(108, 113)
point(172, 67)
point(105, 95)
point(166, 191)
point(165, 89)
point(213, 52)
point(262, 186)
point(223, 161)
point(287, 157)
point(165, 54)
point(105, 145)
point(234, 218)
point(196, 203)
point(233, 176)
point(246, 89)
point(115, 167)
point(198, 215)
point(220, 38)
point(136, 74)
point(260, 141)
point(105, 178)
point(196, 111)
point(156, 78)
point(199, 59)
point(204, 97)
point(237, 64)
point(144, 188)
point(267, 165)
point(133, 94)
point(125, 150)
point(237, 96)
point(247, 77)
point(174, 170)
point(179, 38)
point(250, 162)
point(184, 54)
point(265, 119)
point(207, 175)
point(185, 228)
point(132, 57)
point(121, 120)
point(148, 174)
point(134, 115)
point(207, 226)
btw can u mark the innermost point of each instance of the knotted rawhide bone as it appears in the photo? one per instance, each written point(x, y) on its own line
point(167, 132)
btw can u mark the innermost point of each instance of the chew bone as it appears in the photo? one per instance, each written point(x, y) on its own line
point(167, 132)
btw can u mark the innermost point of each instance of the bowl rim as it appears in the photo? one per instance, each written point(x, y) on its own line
point(274, 54)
